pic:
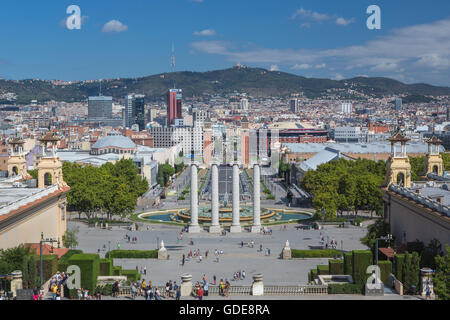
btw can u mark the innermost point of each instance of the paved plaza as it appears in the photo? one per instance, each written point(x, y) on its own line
point(234, 258)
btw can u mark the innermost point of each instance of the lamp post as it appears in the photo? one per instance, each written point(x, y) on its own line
point(41, 273)
point(388, 238)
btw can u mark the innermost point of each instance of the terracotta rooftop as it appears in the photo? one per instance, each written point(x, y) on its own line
point(388, 252)
point(46, 249)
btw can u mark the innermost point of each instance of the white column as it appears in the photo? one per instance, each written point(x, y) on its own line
point(215, 226)
point(194, 226)
point(256, 227)
point(236, 224)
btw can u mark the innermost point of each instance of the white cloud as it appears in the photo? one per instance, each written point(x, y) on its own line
point(274, 67)
point(302, 66)
point(309, 17)
point(320, 66)
point(344, 22)
point(434, 60)
point(114, 26)
point(416, 50)
point(338, 76)
point(305, 66)
point(206, 32)
point(312, 15)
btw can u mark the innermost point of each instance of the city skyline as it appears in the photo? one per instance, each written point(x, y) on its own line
point(306, 39)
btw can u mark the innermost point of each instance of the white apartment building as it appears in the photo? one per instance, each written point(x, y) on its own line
point(346, 107)
point(347, 134)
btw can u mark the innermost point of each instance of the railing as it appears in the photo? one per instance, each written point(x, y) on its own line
point(27, 199)
point(295, 290)
point(434, 205)
point(247, 290)
point(233, 290)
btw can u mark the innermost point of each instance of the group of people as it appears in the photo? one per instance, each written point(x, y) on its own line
point(224, 288)
point(239, 275)
point(250, 244)
point(266, 232)
point(332, 244)
point(132, 240)
point(57, 282)
point(142, 271)
point(197, 254)
point(149, 292)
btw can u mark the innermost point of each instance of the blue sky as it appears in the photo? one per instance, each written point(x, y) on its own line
point(327, 39)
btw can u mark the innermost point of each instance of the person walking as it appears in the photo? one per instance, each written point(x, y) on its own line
point(178, 294)
point(200, 293)
point(183, 259)
point(221, 287)
point(157, 294)
point(145, 271)
point(215, 279)
point(133, 291)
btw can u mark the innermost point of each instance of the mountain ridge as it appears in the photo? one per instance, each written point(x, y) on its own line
point(257, 82)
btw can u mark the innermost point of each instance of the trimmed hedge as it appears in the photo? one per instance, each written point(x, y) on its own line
point(106, 267)
point(386, 270)
point(321, 253)
point(323, 269)
point(63, 262)
point(49, 266)
point(132, 254)
point(336, 266)
point(89, 265)
point(348, 263)
point(347, 288)
point(361, 260)
point(117, 271)
point(399, 260)
point(132, 275)
point(313, 274)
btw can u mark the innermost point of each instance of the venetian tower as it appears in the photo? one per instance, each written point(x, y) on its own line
point(433, 161)
point(398, 166)
point(17, 164)
point(50, 166)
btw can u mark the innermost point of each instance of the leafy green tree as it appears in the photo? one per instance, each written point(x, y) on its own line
point(354, 185)
point(441, 277)
point(70, 238)
point(33, 173)
point(417, 167)
point(165, 171)
point(430, 252)
point(374, 231)
point(411, 272)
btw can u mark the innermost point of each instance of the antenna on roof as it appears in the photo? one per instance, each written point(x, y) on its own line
point(173, 63)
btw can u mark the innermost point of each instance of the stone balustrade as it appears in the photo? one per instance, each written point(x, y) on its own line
point(281, 290)
point(434, 205)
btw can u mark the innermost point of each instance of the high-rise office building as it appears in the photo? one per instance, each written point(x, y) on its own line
point(174, 105)
point(244, 104)
point(294, 105)
point(135, 111)
point(398, 104)
point(100, 107)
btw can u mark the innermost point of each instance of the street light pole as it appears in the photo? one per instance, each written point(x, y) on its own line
point(388, 237)
point(41, 273)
